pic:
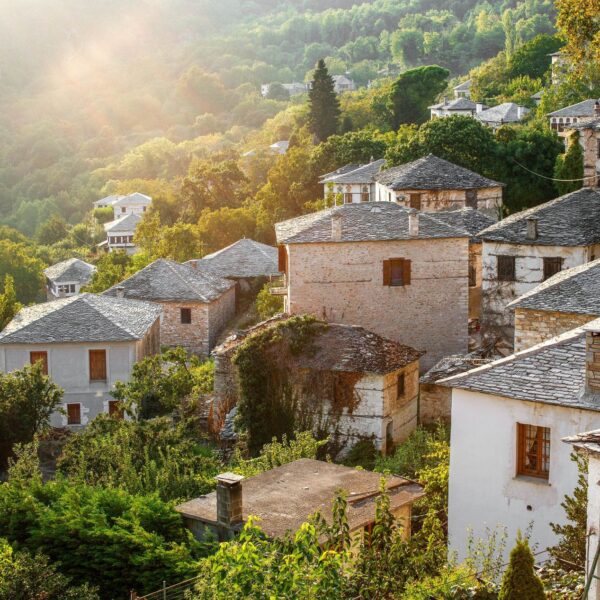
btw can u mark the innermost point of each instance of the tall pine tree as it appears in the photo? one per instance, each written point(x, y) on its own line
point(520, 581)
point(323, 104)
point(569, 167)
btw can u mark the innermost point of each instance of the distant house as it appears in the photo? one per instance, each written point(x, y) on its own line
point(463, 90)
point(120, 233)
point(394, 271)
point(106, 201)
point(432, 184)
point(563, 302)
point(350, 382)
point(355, 183)
point(86, 344)
point(285, 497)
point(507, 113)
point(508, 466)
point(66, 278)
point(461, 105)
point(575, 113)
point(135, 203)
point(341, 84)
point(526, 248)
point(293, 89)
point(196, 305)
point(537, 97)
point(280, 147)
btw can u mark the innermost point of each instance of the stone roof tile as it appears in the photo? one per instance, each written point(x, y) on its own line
point(70, 270)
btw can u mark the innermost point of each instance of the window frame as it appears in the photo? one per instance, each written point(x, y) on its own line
point(98, 352)
point(187, 319)
point(401, 385)
point(547, 261)
point(542, 439)
point(415, 200)
point(388, 269)
point(78, 405)
point(512, 276)
point(43, 356)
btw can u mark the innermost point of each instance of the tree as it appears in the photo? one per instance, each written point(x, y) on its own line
point(27, 400)
point(18, 261)
point(104, 214)
point(569, 167)
point(520, 581)
point(277, 92)
point(53, 230)
point(110, 270)
point(222, 227)
point(533, 57)
point(268, 304)
point(9, 306)
point(414, 91)
point(323, 103)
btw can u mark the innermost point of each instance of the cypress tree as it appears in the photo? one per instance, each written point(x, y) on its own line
point(570, 166)
point(520, 581)
point(323, 104)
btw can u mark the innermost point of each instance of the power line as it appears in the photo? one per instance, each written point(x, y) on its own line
point(552, 178)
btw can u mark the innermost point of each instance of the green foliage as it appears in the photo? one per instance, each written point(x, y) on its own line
point(362, 454)
point(268, 304)
point(111, 269)
point(520, 581)
point(569, 167)
point(18, 261)
point(533, 58)
point(324, 105)
point(104, 214)
point(203, 376)
point(52, 231)
point(141, 457)
point(27, 400)
point(31, 577)
point(277, 92)
point(414, 91)
point(9, 306)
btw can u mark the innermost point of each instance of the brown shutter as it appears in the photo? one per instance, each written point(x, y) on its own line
point(406, 271)
point(98, 365)
point(282, 259)
point(40, 356)
point(73, 414)
point(387, 272)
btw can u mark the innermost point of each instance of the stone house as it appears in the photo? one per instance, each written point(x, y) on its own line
point(86, 344)
point(355, 183)
point(120, 232)
point(196, 306)
point(462, 90)
point(526, 248)
point(567, 300)
point(459, 106)
point(431, 184)
point(563, 118)
point(508, 466)
point(66, 278)
point(394, 271)
point(350, 382)
point(285, 497)
point(342, 84)
point(507, 113)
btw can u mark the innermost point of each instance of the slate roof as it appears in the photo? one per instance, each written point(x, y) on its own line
point(71, 270)
point(82, 318)
point(338, 347)
point(168, 281)
point(537, 95)
point(588, 124)
point(339, 171)
point(570, 220)
point(135, 198)
point(463, 87)
point(110, 200)
point(242, 259)
point(581, 109)
point(508, 112)
point(588, 441)
point(285, 497)
point(552, 372)
point(362, 174)
point(452, 365)
point(575, 290)
point(433, 173)
point(127, 223)
point(466, 218)
point(457, 104)
point(369, 221)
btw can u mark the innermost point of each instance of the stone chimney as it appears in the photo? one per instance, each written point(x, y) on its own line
point(532, 228)
point(592, 361)
point(229, 499)
point(336, 227)
point(478, 107)
point(120, 291)
point(413, 222)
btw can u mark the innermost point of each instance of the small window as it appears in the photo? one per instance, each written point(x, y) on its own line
point(472, 276)
point(415, 201)
point(282, 259)
point(365, 194)
point(115, 409)
point(471, 198)
point(123, 209)
point(506, 268)
point(42, 357)
point(396, 272)
point(533, 451)
point(186, 315)
point(552, 266)
point(347, 198)
point(400, 385)
point(97, 365)
point(74, 414)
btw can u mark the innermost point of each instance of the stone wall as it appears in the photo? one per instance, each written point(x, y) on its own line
point(435, 403)
point(475, 262)
point(536, 326)
point(343, 283)
point(591, 161)
point(220, 312)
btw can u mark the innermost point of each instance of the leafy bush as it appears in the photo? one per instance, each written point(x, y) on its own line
point(268, 304)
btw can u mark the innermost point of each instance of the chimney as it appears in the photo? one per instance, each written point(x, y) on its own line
point(413, 222)
point(532, 228)
point(229, 499)
point(597, 108)
point(478, 107)
point(120, 291)
point(336, 227)
point(592, 360)
point(193, 264)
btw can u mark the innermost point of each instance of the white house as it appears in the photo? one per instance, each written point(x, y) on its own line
point(355, 183)
point(461, 105)
point(293, 89)
point(508, 466)
point(119, 233)
point(66, 278)
point(341, 84)
point(86, 344)
point(507, 113)
point(529, 247)
point(135, 203)
point(575, 113)
point(463, 90)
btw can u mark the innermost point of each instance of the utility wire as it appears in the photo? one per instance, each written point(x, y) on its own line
point(552, 178)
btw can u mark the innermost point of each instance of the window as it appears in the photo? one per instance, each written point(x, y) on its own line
point(471, 198)
point(533, 451)
point(415, 201)
point(396, 272)
point(74, 414)
point(42, 357)
point(552, 265)
point(97, 365)
point(365, 195)
point(115, 409)
point(348, 195)
point(506, 268)
point(123, 209)
point(400, 385)
point(472, 276)
point(598, 152)
point(185, 315)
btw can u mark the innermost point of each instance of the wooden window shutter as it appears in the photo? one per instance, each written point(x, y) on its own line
point(73, 414)
point(98, 365)
point(282, 259)
point(387, 272)
point(40, 356)
point(406, 271)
